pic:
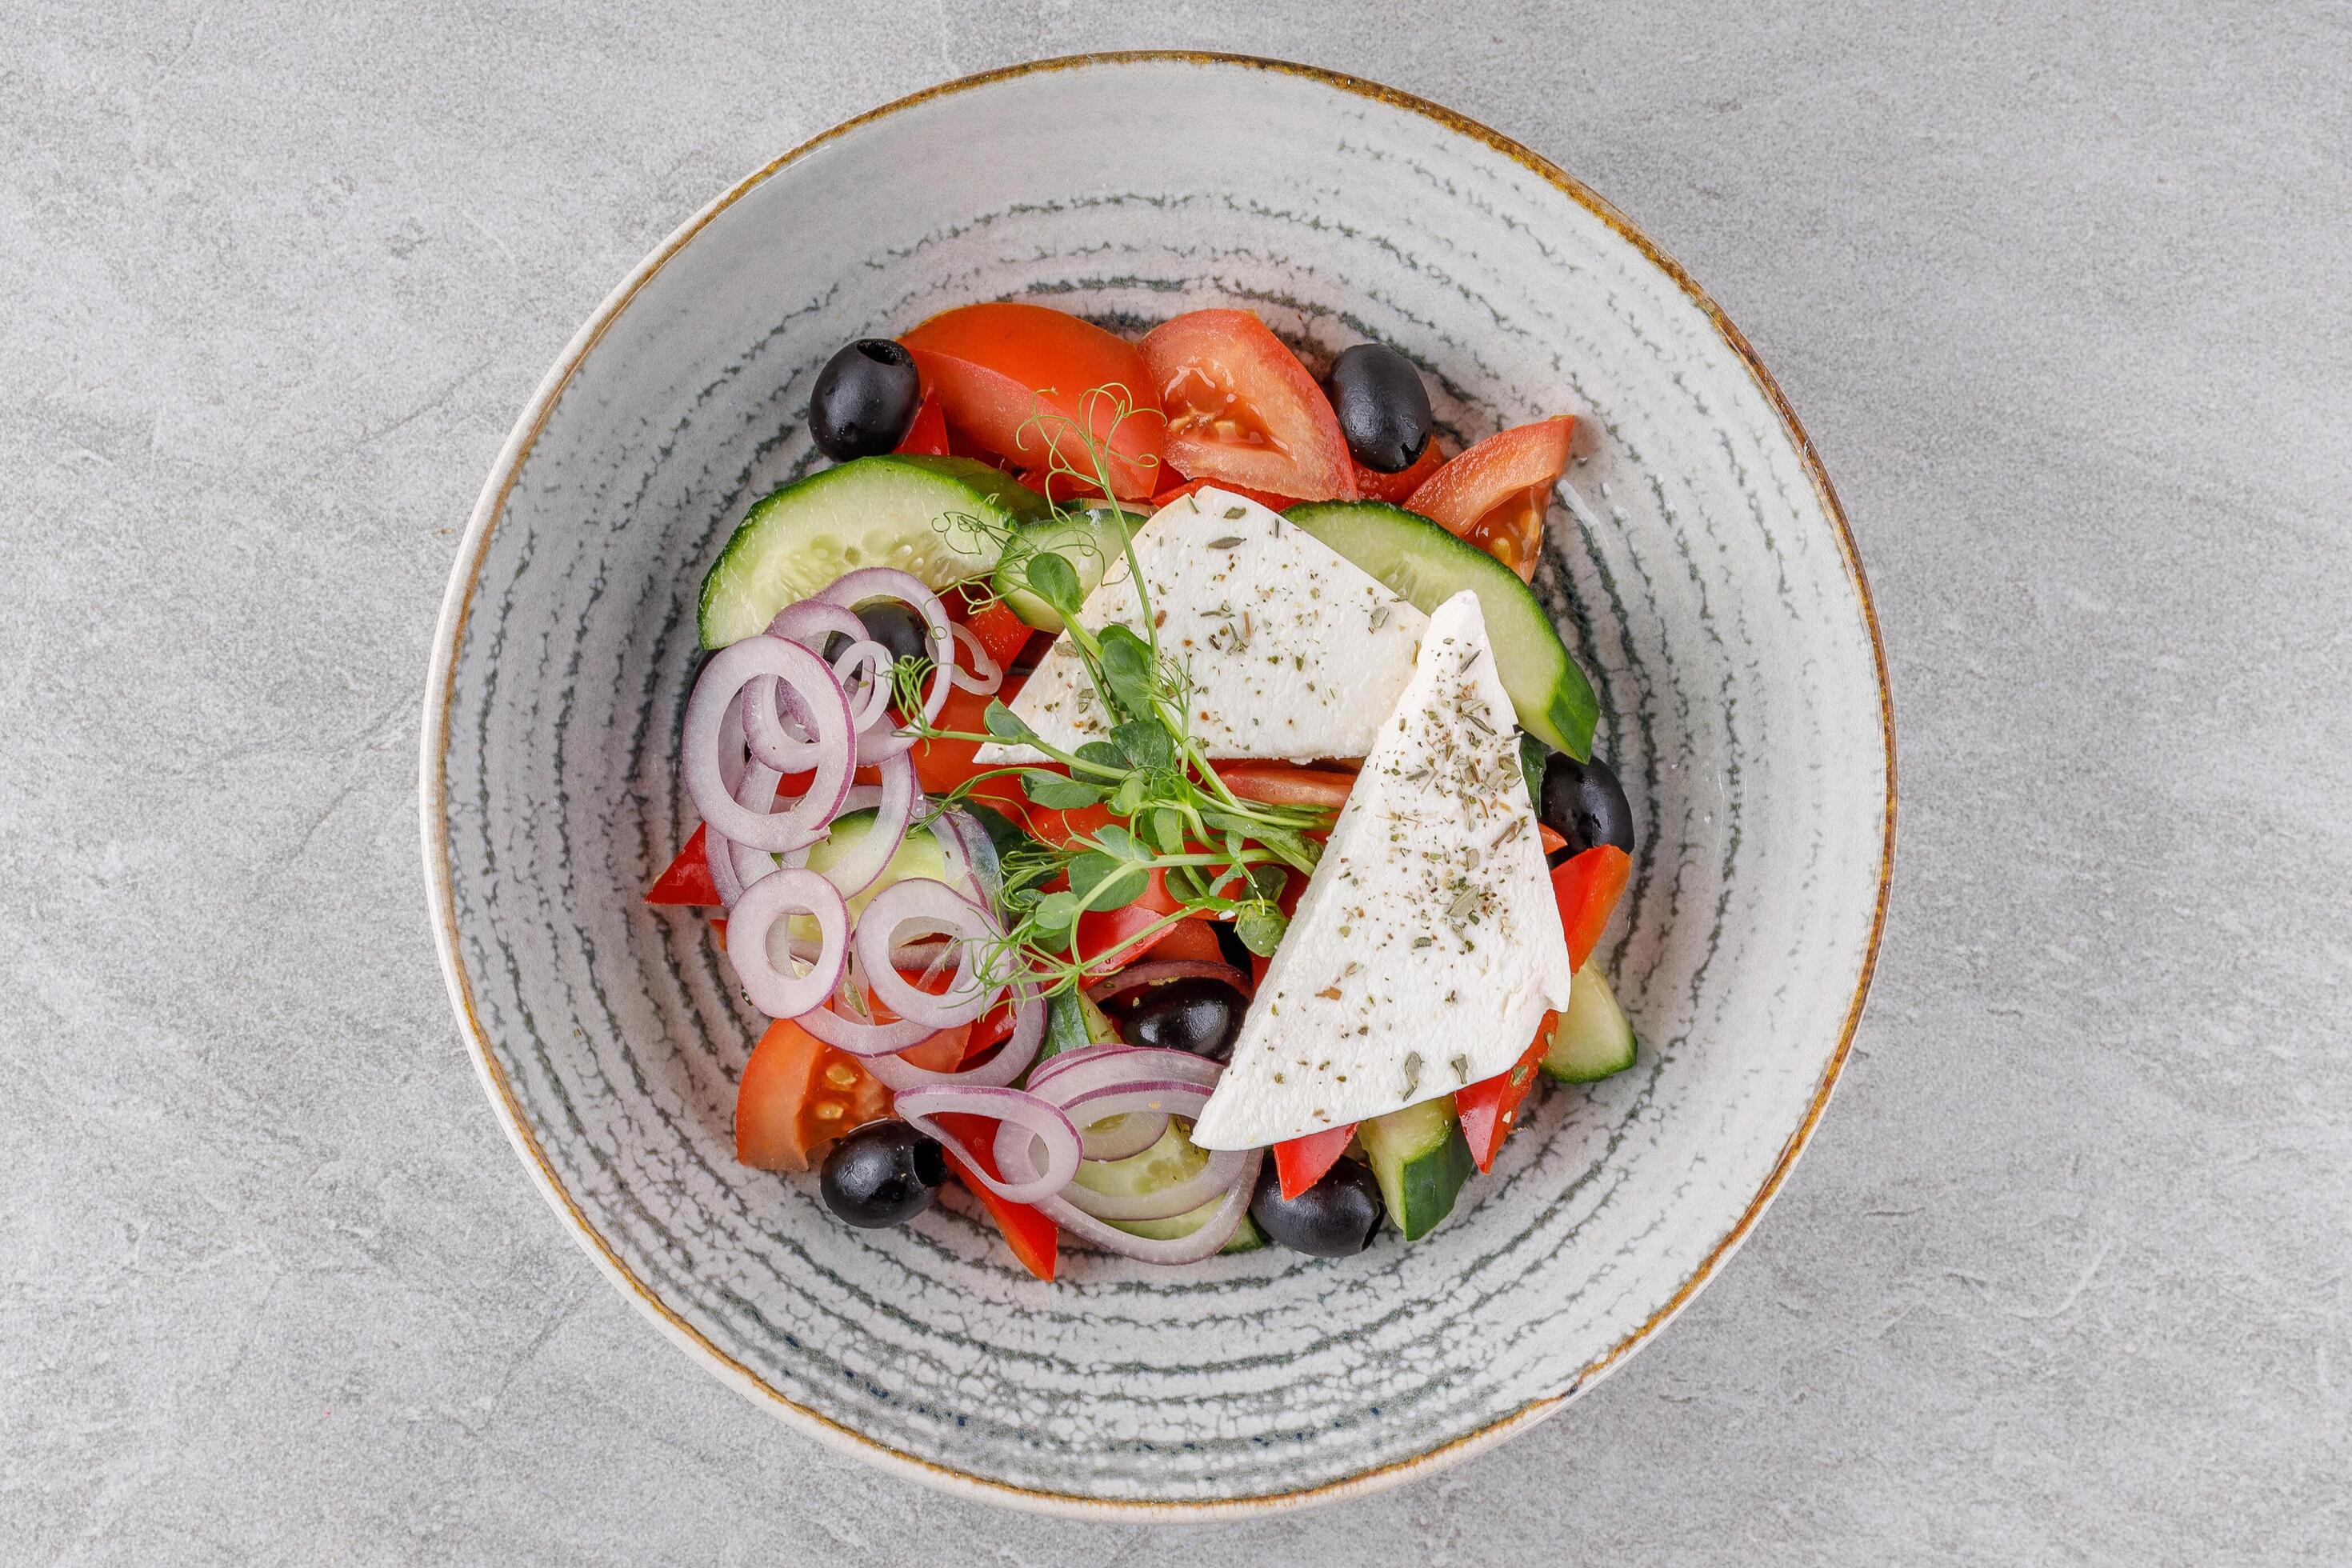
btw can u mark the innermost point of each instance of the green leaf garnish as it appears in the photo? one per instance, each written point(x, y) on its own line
point(1260, 926)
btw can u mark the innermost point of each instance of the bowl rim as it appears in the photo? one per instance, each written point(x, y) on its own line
point(440, 694)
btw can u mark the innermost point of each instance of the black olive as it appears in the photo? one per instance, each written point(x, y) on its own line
point(895, 626)
point(1383, 409)
point(884, 1174)
point(865, 400)
point(1584, 804)
point(1196, 1015)
point(1334, 1218)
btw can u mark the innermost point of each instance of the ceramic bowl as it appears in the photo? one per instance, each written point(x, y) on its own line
point(1706, 583)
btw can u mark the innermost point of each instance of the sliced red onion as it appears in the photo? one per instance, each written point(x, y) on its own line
point(1074, 1073)
point(1021, 1117)
point(1162, 1099)
point(1010, 1061)
point(813, 623)
point(986, 676)
point(939, 909)
point(870, 698)
point(853, 588)
point(1155, 971)
point(1206, 1242)
point(723, 679)
point(768, 733)
point(731, 746)
point(875, 1041)
point(750, 923)
point(894, 808)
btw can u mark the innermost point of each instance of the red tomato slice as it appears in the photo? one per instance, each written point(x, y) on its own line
point(1301, 1162)
point(928, 436)
point(1240, 408)
point(1110, 940)
point(1495, 495)
point(1397, 488)
point(799, 1094)
point(1588, 888)
point(943, 1052)
point(995, 368)
point(1285, 783)
point(1490, 1109)
point(941, 765)
point(1034, 1239)
point(688, 879)
point(1192, 938)
point(1262, 498)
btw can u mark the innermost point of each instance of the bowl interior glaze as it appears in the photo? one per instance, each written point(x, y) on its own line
point(1707, 587)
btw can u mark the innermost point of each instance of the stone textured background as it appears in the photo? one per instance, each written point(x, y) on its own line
point(2060, 292)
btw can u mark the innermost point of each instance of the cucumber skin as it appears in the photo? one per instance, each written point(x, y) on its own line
point(1562, 716)
point(1419, 1181)
point(1594, 1040)
point(998, 492)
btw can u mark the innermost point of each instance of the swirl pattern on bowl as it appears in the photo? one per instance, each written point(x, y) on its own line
point(1706, 584)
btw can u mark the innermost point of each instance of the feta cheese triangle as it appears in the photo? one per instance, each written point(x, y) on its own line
point(1295, 651)
point(1427, 946)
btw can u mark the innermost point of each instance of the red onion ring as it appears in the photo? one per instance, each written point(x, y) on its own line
point(1205, 1242)
point(1021, 1117)
point(754, 918)
point(940, 908)
point(894, 808)
point(1152, 972)
point(1162, 1099)
point(987, 676)
point(877, 1042)
point(870, 704)
point(853, 588)
point(715, 692)
point(813, 623)
point(1010, 1061)
point(1095, 1067)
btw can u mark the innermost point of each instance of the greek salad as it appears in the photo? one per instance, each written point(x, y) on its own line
point(1140, 784)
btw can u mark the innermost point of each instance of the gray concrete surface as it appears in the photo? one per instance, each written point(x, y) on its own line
point(2061, 293)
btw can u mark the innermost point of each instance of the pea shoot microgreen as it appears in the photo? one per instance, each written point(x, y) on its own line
point(1168, 809)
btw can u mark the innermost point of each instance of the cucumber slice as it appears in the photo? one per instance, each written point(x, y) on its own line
point(1090, 541)
point(1592, 1040)
point(919, 855)
point(942, 518)
point(1427, 566)
point(1171, 1159)
point(1421, 1159)
point(1073, 1023)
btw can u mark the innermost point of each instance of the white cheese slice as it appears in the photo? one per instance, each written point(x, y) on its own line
point(1294, 650)
point(1427, 946)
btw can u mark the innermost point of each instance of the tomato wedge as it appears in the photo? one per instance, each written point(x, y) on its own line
point(1495, 495)
point(941, 765)
point(928, 436)
point(1588, 888)
point(1240, 408)
point(1034, 1239)
point(1262, 498)
point(1301, 1162)
point(1110, 940)
point(1396, 488)
point(1287, 784)
point(1192, 938)
point(686, 882)
point(995, 368)
point(799, 1094)
point(1490, 1109)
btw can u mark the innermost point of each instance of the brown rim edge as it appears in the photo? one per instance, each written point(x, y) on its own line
point(457, 603)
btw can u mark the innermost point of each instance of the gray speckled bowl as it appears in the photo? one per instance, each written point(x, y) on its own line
point(1709, 585)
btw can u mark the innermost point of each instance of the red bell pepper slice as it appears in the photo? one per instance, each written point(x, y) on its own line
point(1490, 1109)
point(1301, 1162)
point(928, 436)
point(686, 882)
point(1588, 888)
point(1035, 1241)
point(1002, 634)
